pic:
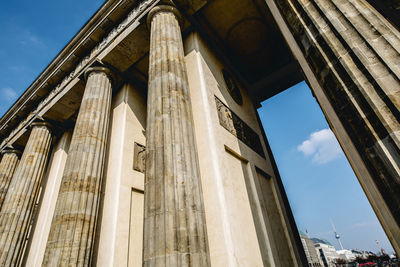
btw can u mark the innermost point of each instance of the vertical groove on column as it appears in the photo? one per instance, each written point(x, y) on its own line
point(354, 54)
point(19, 204)
point(175, 226)
point(8, 166)
point(371, 95)
point(375, 31)
point(149, 195)
point(72, 231)
point(378, 58)
point(382, 101)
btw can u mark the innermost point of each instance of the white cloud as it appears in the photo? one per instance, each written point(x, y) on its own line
point(29, 38)
point(322, 146)
point(364, 224)
point(9, 94)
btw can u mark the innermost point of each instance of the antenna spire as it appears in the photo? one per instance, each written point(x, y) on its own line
point(337, 236)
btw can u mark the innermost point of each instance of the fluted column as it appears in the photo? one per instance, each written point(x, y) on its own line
point(71, 238)
point(8, 164)
point(18, 207)
point(351, 56)
point(174, 220)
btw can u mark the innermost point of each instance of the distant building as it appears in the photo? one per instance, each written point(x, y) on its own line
point(346, 254)
point(310, 250)
point(326, 251)
point(362, 254)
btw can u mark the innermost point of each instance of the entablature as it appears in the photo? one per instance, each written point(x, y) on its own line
point(65, 71)
point(240, 32)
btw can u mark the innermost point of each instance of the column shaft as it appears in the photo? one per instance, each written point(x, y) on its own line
point(18, 207)
point(8, 164)
point(174, 224)
point(354, 56)
point(72, 231)
point(51, 183)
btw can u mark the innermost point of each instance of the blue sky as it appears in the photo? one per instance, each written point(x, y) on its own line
point(319, 181)
point(32, 34)
point(317, 176)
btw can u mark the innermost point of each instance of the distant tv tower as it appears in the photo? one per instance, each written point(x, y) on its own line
point(337, 236)
point(380, 247)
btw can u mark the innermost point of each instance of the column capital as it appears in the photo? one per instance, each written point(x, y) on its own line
point(166, 6)
point(40, 123)
point(11, 151)
point(103, 69)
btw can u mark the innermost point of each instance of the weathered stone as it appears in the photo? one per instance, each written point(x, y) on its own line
point(8, 164)
point(353, 53)
point(51, 184)
point(121, 229)
point(236, 126)
point(139, 158)
point(19, 205)
point(72, 231)
point(174, 220)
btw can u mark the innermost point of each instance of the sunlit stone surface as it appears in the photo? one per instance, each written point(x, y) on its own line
point(71, 236)
point(8, 164)
point(174, 220)
point(19, 204)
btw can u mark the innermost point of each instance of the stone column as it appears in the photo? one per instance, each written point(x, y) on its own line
point(174, 219)
point(351, 56)
point(19, 205)
point(8, 164)
point(71, 237)
point(51, 183)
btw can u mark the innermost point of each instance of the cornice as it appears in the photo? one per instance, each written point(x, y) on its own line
point(64, 54)
point(82, 35)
